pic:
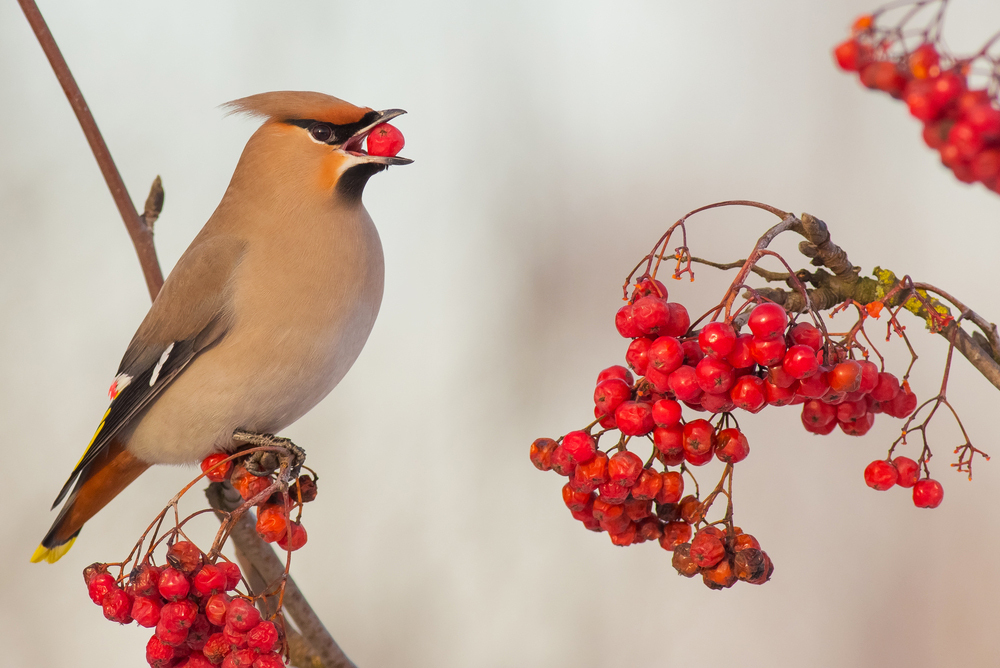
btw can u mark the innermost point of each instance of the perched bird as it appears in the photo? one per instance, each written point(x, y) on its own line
point(263, 314)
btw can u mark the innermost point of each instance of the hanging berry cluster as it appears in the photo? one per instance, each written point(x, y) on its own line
point(717, 369)
point(961, 120)
point(200, 617)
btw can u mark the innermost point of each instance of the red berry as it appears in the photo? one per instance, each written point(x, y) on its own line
point(778, 396)
point(247, 484)
point(117, 606)
point(610, 393)
point(616, 371)
point(647, 486)
point(767, 319)
point(851, 410)
point(99, 586)
point(298, 539)
point(215, 608)
point(901, 405)
point(714, 376)
point(272, 522)
point(637, 355)
point(385, 140)
point(817, 413)
point(739, 357)
point(869, 376)
point(158, 655)
point(210, 579)
point(749, 394)
point(215, 471)
point(731, 445)
point(146, 611)
point(858, 426)
point(651, 315)
point(707, 549)
point(626, 536)
point(169, 636)
point(908, 471)
point(671, 489)
point(594, 472)
point(880, 475)
point(625, 322)
point(666, 412)
point(814, 386)
point(845, 377)
point(986, 166)
point(699, 437)
point(924, 61)
point(884, 76)
point(173, 585)
point(927, 493)
point(649, 286)
point(579, 447)
point(241, 658)
point(262, 638)
point(717, 403)
point(665, 354)
point(147, 581)
point(233, 574)
point(669, 444)
point(674, 534)
point(851, 55)
point(541, 453)
point(638, 509)
point(272, 660)
point(179, 615)
point(966, 139)
point(242, 615)
point(184, 556)
point(575, 500)
point(562, 463)
point(684, 383)
point(800, 361)
point(216, 648)
point(197, 660)
point(717, 339)
point(634, 418)
point(624, 468)
point(768, 351)
point(680, 321)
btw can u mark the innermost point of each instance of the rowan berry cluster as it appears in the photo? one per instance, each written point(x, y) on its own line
point(192, 602)
point(715, 369)
point(961, 121)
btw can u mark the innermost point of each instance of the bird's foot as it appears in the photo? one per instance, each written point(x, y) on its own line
point(264, 463)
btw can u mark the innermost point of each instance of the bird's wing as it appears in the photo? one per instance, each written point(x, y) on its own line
point(191, 312)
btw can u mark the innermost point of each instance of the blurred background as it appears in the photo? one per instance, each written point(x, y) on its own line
point(554, 142)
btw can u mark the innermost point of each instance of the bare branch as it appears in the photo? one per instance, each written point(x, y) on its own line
point(139, 231)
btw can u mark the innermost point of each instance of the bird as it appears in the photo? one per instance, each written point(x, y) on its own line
point(263, 314)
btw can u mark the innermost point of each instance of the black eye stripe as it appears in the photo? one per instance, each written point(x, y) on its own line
point(339, 133)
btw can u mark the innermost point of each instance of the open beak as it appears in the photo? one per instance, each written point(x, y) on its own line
point(355, 145)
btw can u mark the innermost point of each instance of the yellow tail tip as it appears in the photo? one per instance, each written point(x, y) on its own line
point(52, 554)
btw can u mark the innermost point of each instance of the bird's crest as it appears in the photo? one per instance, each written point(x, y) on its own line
point(288, 105)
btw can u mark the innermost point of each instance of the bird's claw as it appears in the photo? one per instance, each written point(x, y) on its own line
point(264, 463)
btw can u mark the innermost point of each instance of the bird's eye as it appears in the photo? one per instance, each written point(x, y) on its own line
point(321, 132)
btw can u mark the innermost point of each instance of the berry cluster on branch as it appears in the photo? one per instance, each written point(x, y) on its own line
point(192, 601)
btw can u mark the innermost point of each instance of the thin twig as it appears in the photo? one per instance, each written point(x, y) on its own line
point(139, 231)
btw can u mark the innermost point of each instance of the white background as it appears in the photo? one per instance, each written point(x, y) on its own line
point(553, 143)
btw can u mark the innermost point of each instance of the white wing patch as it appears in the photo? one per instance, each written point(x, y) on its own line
point(120, 382)
point(159, 365)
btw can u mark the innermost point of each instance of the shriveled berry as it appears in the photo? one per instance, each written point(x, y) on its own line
point(624, 468)
point(178, 615)
point(158, 655)
point(908, 471)
point(298, 539)
point(233, 574)
point(579, 447)
point(198, 633)
point(184, 556)
point(575, 500)
point(625, 537)
point(117, 606)
point(648, 485)
point(674, 534)
point(720, 576)
point(880, 475)
point(241, 658)
point(272, 522)
point(691, 509)
point(99, 586)
point(541, 453)
point(215, 608)
point(385, 140)
point(750, 564)
point(236, 639)
point(169, 636)
point(638, 509)
point(147, 580)
point(593, 473)
point(613, 492)
point(216, 648)
point(744, 541)
point(247, 484)
point(561, 461)
point(272, 660)
point(197, 660)
point(262, 638)
point(682, 561)
point(671, 487)
point(707, 549)
point(214, 470)
point(651, 315)
point(173, 584)
point(927, 493)
point(146, 611)
point(634, 418)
